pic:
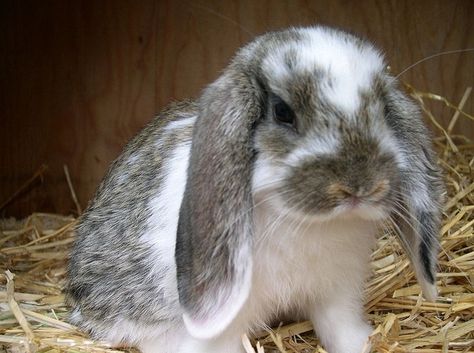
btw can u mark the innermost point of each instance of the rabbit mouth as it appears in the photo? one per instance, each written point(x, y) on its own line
point(336, 202)
point(351, 209)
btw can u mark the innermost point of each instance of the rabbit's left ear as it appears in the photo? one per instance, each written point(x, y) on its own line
point(418, 213)
point(214, 239)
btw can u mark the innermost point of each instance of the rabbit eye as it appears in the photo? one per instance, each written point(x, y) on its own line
point(283, 113)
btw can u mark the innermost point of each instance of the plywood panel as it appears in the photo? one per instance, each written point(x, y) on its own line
point(78, 79)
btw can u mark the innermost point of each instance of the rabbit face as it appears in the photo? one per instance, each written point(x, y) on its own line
point(323, 145)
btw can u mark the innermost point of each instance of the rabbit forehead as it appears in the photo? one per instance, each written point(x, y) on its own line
point(324, 64)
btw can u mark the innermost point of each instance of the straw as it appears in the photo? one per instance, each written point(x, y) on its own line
point(34, 256)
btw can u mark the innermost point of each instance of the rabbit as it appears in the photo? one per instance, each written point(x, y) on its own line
point(262, 199)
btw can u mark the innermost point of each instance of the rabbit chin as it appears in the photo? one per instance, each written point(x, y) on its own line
point(346, 211)
point(361, 212)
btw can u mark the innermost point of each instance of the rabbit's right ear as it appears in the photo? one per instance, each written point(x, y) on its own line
point(214, 239)
point(418, 206)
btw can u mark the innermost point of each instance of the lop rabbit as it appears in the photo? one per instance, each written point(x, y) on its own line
point(260, 199)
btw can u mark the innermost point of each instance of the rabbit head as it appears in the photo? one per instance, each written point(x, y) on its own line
point(310, 119)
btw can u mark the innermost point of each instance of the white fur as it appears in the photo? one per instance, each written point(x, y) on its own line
point(180, 124)
point(179, 341)
point(265, 176)
point(163, 223)
point(314, 146)
point(125, 330)
point(349, 69)
point(305, 260)
point(222, 319)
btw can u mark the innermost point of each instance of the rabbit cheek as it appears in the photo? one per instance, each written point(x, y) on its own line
point(305, 190)
point(274, 143)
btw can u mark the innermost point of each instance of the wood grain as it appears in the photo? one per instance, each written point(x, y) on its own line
point(78, 79)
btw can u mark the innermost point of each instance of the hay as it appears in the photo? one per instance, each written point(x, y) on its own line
point(34, 253)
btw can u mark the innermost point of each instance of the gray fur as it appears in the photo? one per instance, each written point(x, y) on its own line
point(217, 191)
point(109, 268)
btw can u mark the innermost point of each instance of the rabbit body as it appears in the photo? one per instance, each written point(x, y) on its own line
point(261, 200)
point(280, 286)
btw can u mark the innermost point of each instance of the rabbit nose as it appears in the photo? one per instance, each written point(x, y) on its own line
point(356, 194)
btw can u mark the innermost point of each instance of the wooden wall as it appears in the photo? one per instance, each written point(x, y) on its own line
point(79, 78)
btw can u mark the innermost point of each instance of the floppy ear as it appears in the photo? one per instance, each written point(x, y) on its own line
point(419, 204)
point(214, 239)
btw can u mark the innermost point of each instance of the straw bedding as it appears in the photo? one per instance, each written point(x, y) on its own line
point(33, 257)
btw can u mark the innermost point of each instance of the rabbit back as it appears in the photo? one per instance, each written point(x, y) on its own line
point(122, 272)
